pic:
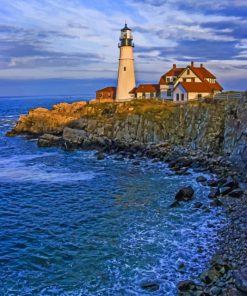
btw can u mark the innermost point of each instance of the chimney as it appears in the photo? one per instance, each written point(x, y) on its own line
point(192, 64)
point(174, 66)
point(201, 65)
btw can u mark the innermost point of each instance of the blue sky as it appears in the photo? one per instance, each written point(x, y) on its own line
point(67, 47)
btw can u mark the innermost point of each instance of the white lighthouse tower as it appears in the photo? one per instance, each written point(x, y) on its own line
point(126, 69)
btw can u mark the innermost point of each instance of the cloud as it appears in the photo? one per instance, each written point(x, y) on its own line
point(78, 39)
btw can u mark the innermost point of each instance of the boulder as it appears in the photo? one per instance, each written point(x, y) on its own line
point(213, 183)
point(186, 286)
point(175, 204)
point(185, 194)
point(197, 205)
point(216, 203)
point(225, 190)
point(214, 193)
point(74, 136)
point(150, 286)
point(48, 140)
point(100, 156)
point(241, 279)
point(236, 193)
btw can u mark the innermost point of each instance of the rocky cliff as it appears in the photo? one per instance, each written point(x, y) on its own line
point(219, 127)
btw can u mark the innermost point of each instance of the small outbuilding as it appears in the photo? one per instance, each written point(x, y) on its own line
point(107, 94)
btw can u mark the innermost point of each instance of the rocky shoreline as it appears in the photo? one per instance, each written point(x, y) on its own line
point(226, 273)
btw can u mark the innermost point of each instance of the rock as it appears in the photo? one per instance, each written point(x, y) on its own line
point(236, 193)
point(209, 276)
point(150, 286)
point(241, 279)
point(175, 204)
point(201, 179)
point(100, 156)
point(230, 183)
point(197, 205)
point(186, 286)
point(136, 162)
point(48, 140)
point(213, 183)
point(225, 190)
point(214, 193)
point(185, 194)
point(215, 290)
point(216, 203)
point(74, 136)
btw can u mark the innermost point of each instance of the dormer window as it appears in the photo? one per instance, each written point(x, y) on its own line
point(168, 79)
point(188, 72)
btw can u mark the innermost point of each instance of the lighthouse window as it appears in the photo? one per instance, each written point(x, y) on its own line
point(124, 68)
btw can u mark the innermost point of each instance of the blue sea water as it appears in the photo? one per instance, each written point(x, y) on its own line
point(73, 225)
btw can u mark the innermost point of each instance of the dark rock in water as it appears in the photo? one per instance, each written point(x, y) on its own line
point(136, 162)
point(236, 193)
point(213, 183)
point(225, 190)
point(230, 183)
point(197, 205)
point(215, 290)
point(48, 140)
point(185, 194)
point(209, 276)
point(241, 279)
point(214, 193)
point(186, 286)
point(175, 204)
point(100, 156)
point(216, 203)
point(201, 179)
point(150, 286)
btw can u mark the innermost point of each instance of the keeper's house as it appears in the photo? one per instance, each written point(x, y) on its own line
point(181, 85)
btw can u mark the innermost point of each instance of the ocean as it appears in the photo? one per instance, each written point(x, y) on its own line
point(73, 225)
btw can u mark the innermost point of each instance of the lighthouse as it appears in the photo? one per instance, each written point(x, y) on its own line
point(126, 70)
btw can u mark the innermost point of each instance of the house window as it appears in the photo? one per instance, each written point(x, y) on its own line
point(177, 97)
point(109, 94)
point(169, 92)
point(174, 78)
point(168, 79)
point(100, 95)
point(184, 79)
point(124, 68)
point(182, 97)
point(199, 96)
point(193, 79)
point(188, 72)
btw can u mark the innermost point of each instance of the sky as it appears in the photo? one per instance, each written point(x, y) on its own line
point(71, 47)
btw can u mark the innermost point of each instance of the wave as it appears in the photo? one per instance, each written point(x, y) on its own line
point(18, 169)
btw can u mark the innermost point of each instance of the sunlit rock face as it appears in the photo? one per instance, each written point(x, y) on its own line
point(219, 127)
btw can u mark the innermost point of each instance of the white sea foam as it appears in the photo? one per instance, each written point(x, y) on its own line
point(15, 169)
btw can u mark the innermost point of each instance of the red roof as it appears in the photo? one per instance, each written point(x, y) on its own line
point(172, 72)
point(203, 87)
point(214, 86)
point(107, 89)
point(142, 88)
point(202, 72)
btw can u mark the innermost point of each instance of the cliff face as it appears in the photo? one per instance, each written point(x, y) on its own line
point(219, 127)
